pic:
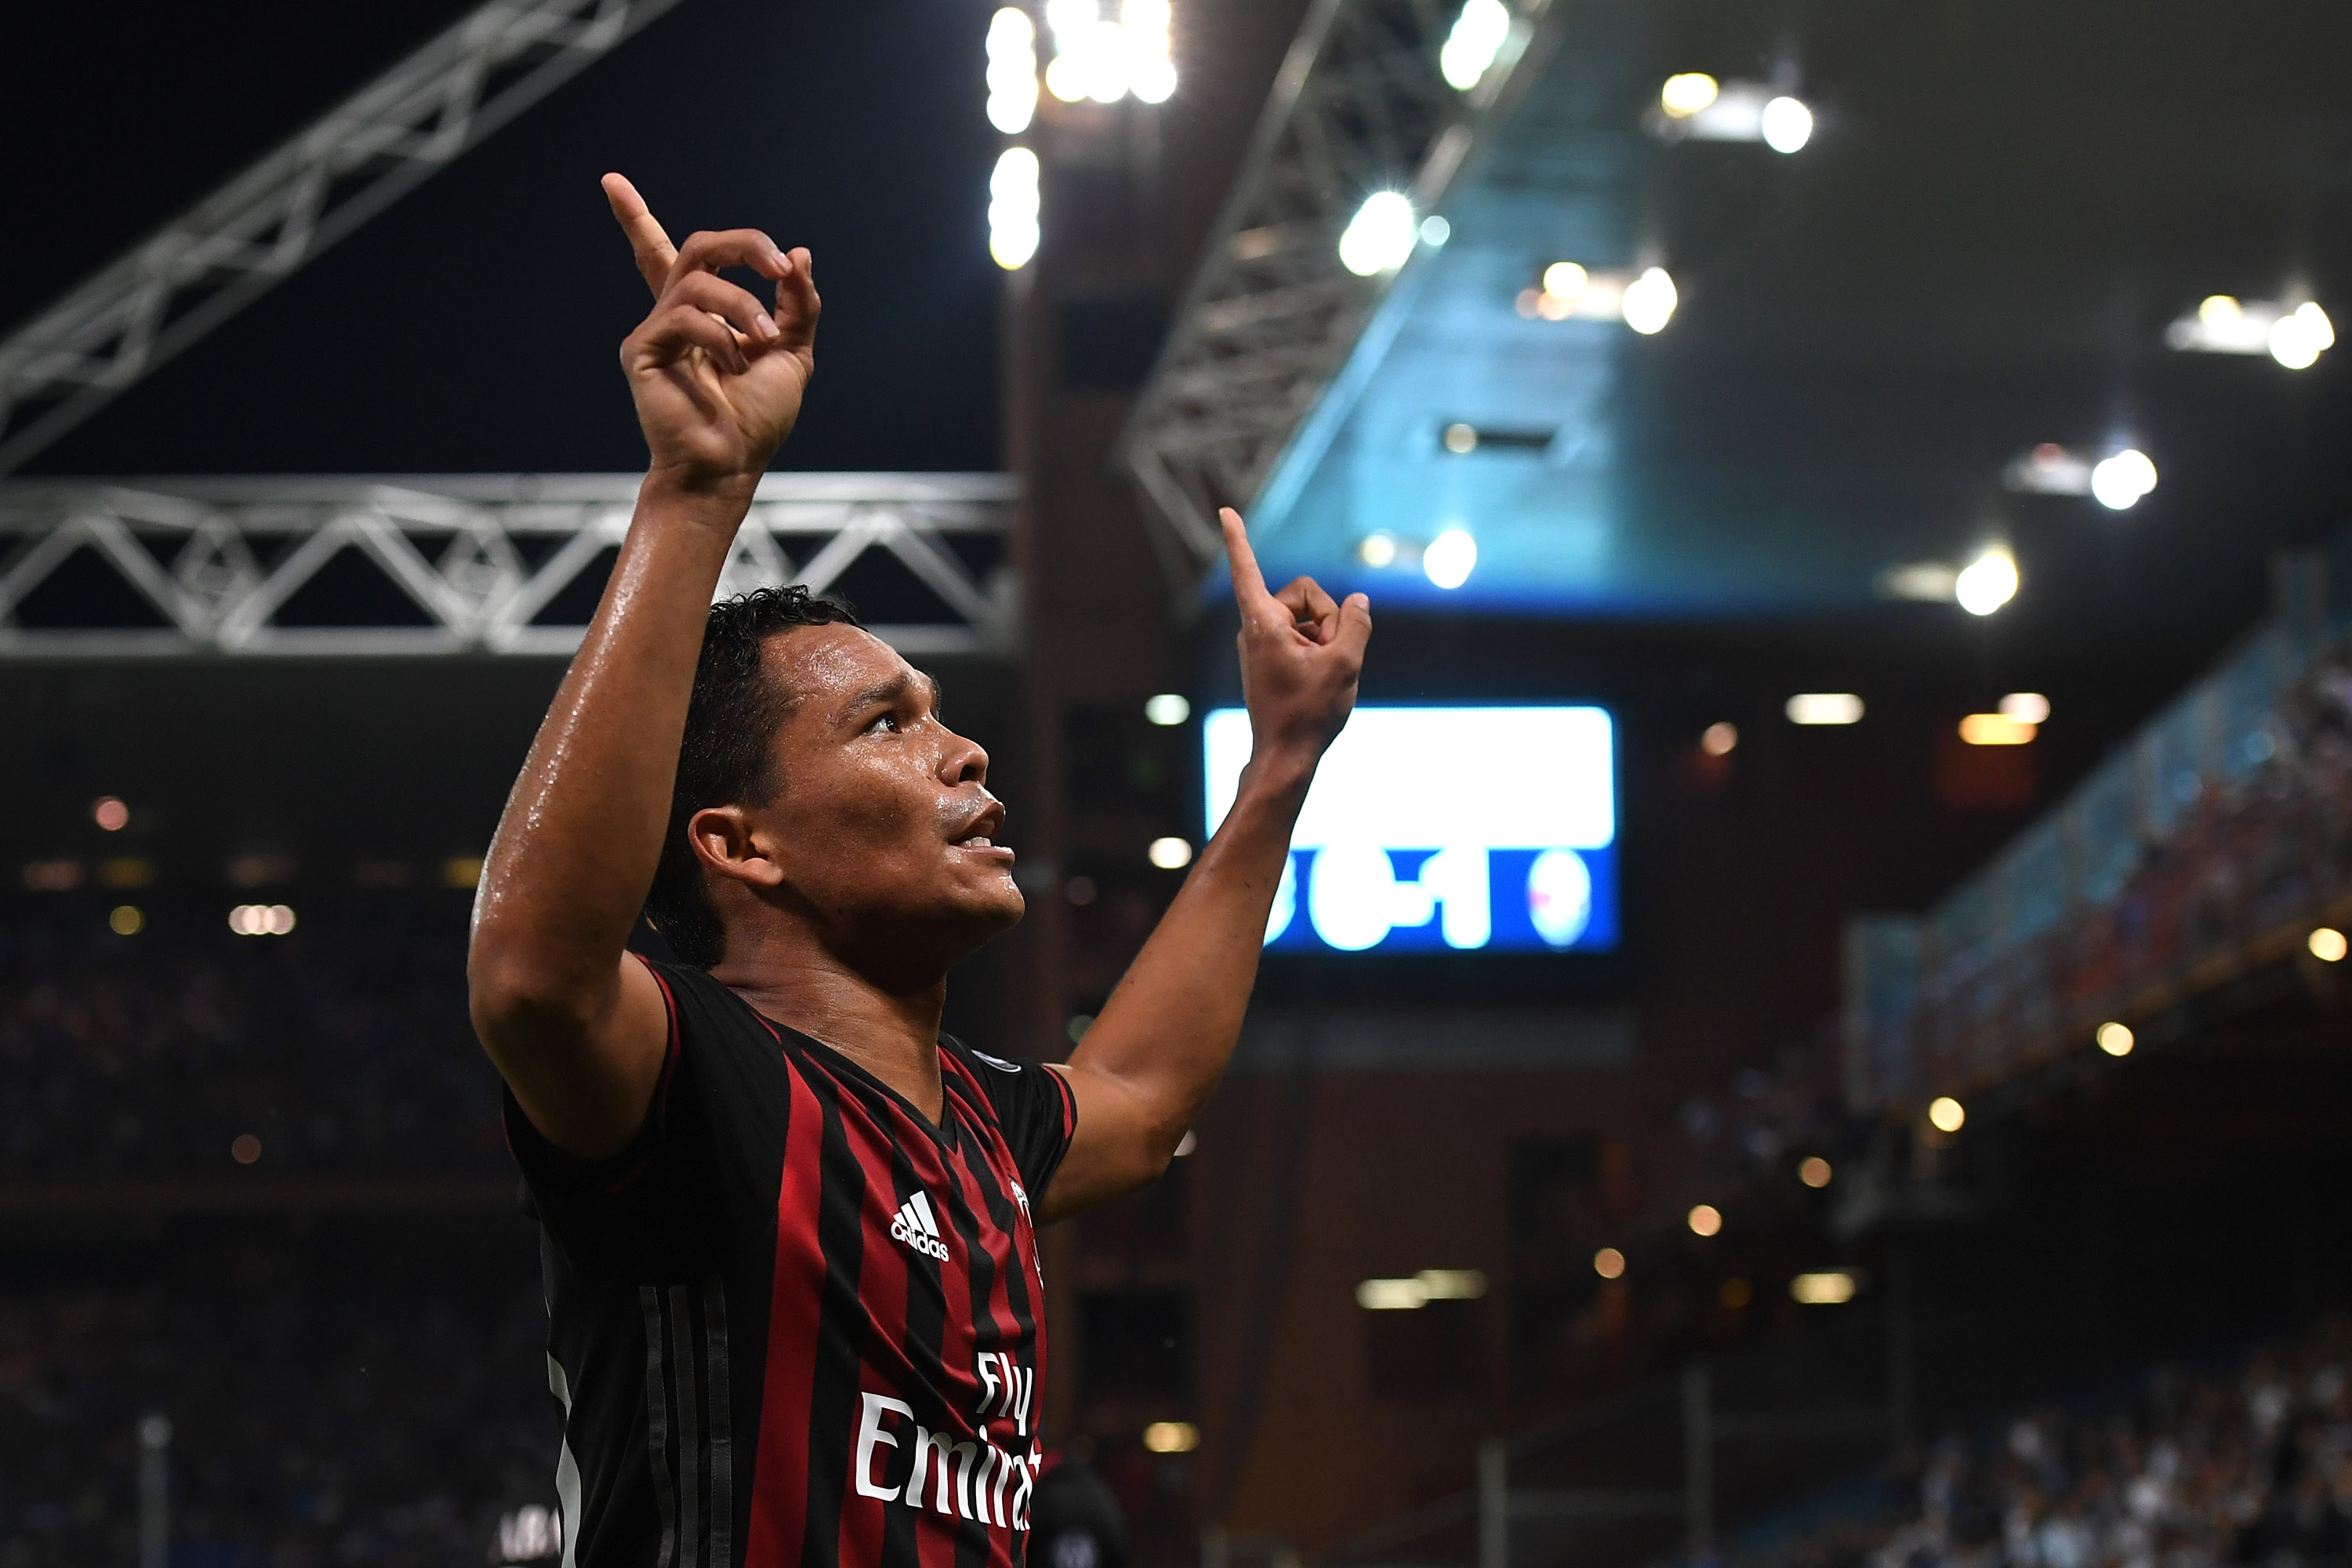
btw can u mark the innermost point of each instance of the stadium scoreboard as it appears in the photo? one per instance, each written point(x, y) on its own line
point(1437, 829)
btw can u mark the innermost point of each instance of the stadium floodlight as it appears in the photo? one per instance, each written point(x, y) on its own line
point(1450, 559)
point(1012, 208)
point(1826, 1287)
point(2120, 481)
point(1381, 237)
point(1986, 583)
point(1011, 70)
point(1477, 36)
point(1694, 106)
point(1150, 73)
point(2025, 707)
point(1687, 92)
point(2294, 334)
point(1996, 730)
point(1824, 708)
point(2297, 339)
point(1649, 300)
point(1786, 124)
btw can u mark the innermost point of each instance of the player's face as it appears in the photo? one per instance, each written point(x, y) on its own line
point(884, 824)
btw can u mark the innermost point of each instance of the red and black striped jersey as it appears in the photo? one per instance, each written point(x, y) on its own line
point(796, 1325)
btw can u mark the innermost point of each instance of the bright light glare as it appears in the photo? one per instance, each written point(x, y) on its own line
point(1011, 70)
point(125, 919)
point(1813, 1170)
point(1171, 854)
point(1565, 280)
point(261, 920)
point(1986, 583)
point(1477, 36)
point(110, 815)
point(1450, 558)
point(2327, 945)
point(1788, 125)
point(1171, 1437)
point(1435, 230)
point(1995, 730)
point(1391, 1296)
point(2119, 481)
point(1377, 550)
point(1686, 94)
point(1718, 739)
point(2026, 707)
point(1013, 206)
point(1417, 1291)
point(2298, 338)
point(1705, 1219)
point(1380, 237)
point(1168, 709)
point(1151, 74)
point(1460, 439)
point(1824, 708)
point(2116, 1040)
point(1830, 1287)
point(2220, 311)
point(1609, 1263)
point(1649, 301)
point(1946, 1114)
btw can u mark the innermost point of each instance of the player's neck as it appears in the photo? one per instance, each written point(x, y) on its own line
point(890, 1030)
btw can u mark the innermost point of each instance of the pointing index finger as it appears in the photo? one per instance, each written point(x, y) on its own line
point(1249, 584)
point(656, 256)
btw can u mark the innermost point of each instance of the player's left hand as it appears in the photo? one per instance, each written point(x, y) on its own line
point(1301, 656)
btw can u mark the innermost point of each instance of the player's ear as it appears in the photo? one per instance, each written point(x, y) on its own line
point(726, 841)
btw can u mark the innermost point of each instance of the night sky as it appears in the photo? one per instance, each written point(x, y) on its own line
point(473, 326)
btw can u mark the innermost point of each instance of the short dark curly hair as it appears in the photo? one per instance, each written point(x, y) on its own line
point(728, 757)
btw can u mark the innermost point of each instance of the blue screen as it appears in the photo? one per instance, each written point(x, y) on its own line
point(1444, 829)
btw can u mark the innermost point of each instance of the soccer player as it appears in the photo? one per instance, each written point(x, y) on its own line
point(789, 1227)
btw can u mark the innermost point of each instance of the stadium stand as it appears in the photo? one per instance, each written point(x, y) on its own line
point(2244, 1464)
point(2205, 847)
point(342, 1047)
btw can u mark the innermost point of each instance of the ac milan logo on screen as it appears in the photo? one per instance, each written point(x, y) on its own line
point(914, 1226)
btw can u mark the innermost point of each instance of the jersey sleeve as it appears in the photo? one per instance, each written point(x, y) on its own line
point(1034, 1106)
point(645, 1213)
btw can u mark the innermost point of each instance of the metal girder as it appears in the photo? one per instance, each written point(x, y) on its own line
point(221, 255)
point(1271, 315)
point(476, 563)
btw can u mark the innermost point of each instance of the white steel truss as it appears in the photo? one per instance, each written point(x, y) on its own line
point(1271, 315)
point(229, 249)
point(482, 559)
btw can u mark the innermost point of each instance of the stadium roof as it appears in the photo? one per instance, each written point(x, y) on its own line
point(1980, 252)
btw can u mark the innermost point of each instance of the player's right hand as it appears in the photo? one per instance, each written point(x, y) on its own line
point(1301, 656)
point(716, 377)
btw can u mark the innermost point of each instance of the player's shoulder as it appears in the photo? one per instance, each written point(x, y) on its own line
point(706, 1014)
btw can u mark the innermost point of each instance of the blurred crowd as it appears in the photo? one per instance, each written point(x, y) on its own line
point(342, 1050)
point(2249, 1467)
point(2263, 843)
point(329, 1402)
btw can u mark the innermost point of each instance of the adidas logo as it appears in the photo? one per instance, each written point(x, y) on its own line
point(914, 1226)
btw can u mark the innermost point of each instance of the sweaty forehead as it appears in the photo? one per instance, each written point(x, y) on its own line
point(826, 668)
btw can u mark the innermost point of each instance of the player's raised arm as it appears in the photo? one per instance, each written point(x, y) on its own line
point(1164, 1039)
point(578, 1030)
